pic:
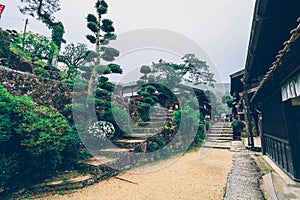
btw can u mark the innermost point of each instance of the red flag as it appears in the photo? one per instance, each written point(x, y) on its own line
point(1, 8)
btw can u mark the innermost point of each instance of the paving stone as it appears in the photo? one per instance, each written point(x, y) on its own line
point(243, 179)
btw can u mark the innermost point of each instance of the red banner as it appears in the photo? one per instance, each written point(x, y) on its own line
point(1, 8)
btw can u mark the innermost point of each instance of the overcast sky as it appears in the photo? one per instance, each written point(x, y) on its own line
point(220, 27)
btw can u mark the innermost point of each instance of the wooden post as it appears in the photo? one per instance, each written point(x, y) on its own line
point(248, 118)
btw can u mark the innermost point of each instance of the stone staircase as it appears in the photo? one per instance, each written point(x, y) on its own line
point(140, 133)
point(220, 132)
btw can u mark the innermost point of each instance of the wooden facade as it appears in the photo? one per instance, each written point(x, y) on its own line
point(270, 81)
point(236, 91)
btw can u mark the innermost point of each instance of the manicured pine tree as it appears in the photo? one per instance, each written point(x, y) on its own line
point(102, 33)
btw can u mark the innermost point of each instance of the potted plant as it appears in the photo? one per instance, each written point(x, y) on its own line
point(237, 127)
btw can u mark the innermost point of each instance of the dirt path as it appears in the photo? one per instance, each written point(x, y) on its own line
point(187, 177)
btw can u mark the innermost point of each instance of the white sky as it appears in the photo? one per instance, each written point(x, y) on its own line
point(220, 27)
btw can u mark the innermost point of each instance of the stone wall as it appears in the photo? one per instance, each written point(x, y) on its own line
point(43, 91)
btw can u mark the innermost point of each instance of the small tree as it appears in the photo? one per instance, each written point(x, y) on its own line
point(73, 56)
point(145, 70)
point(44, 10)
point(37, 46)
point(227, 99)
point(196, 71)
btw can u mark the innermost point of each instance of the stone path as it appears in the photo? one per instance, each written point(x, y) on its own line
point(243, 179)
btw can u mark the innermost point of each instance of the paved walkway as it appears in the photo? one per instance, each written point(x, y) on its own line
point(243, 178)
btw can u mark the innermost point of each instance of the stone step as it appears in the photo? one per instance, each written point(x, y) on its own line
point(222, 145)
point(222, 125)
point(221, 128)
point(115, 152)
point(219, 135)
point(160, 119)
point(147, 130)
point(218, 140)
point(129, 143)
point(151, 125)
point(139, 135)
point(220, 131)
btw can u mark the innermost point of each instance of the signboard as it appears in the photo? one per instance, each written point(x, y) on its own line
point(1, 8)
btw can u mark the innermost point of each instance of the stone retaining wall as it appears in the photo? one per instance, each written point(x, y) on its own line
point(43, 91)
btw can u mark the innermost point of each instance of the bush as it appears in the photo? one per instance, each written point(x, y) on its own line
point(35, 139)
point(143, 110)
point(41, 72)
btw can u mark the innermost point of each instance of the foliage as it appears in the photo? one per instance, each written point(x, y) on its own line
point(58, 31)
point(97, 24)
point(121, 120)
point(37, 46)
point(149, 99)
point(93, 73)
point(187, 118)
point(227, 99)
point(145, 69)
point(216, 102)
point(35, 139)
point(191, 70)
point(4, 47)
point(43, 10)
point(41, 72)
point(74, 54)
point(197, 71)
point(165, 73)
point(143, 110)
point(237, 125)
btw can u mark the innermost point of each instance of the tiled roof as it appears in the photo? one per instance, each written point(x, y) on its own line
point(295, 35)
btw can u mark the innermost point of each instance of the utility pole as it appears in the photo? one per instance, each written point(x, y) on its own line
point(24, 32)
point(25, 27)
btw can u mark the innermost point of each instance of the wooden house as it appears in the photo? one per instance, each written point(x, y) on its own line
point(272, 81)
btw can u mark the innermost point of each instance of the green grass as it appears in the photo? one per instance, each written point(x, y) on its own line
point(25, 55)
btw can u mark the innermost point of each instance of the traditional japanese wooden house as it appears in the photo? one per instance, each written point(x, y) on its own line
point(236, 91)
point(272, 81)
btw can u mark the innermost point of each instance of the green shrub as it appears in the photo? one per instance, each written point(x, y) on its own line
point(121, 121)
point(143, 111)
point(101, 92)
point(140, 82)
point(36, 136)
point(41, 72)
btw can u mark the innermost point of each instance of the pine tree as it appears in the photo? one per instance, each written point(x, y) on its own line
point(102, 33)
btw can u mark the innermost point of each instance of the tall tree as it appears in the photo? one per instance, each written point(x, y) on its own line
point(191, 70)
point(103, 32)
point(196, 71)
point(74, 54)
point(43, 10)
